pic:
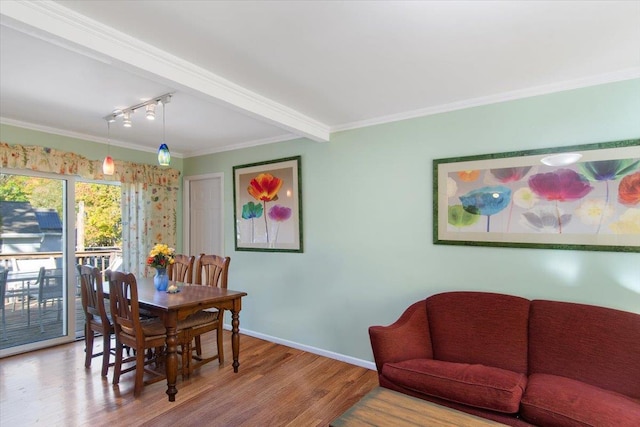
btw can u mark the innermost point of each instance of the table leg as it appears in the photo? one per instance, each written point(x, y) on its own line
point(235, 338)
point(172, 362)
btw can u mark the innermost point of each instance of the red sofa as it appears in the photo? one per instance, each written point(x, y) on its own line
point(515, 361)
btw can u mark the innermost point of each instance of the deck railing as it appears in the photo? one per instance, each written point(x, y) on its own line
point(103, 259)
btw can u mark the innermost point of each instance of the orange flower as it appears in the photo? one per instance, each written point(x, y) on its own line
point(265, 187)
point(469, 176)
point(629, 189)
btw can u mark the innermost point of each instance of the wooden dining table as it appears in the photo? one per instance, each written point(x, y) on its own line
point(172, 307)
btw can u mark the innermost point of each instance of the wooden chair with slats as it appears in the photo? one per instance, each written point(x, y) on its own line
point(97, 320)
point(182, 269)
point(211, 270)
point(130, 330)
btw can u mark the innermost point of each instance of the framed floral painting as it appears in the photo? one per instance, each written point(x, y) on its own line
point(267, 206)
point(584, 197)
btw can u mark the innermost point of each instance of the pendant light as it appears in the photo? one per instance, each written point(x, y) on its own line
point(164, 156)
point(107, 166)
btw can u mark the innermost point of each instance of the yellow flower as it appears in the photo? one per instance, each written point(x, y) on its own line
point(629, 222)
point(160, 256)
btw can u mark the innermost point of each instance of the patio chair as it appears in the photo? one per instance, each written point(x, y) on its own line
point(3, 288)
point(50, 288)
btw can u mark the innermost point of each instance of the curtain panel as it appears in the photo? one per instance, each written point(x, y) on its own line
point(149, 195)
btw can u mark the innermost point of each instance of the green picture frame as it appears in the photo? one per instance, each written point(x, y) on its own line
point(267, 198)
point(530, 199)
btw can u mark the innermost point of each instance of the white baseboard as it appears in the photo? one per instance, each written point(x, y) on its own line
point(330, 354)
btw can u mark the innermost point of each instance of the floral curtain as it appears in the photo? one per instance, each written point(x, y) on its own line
point(149, 195)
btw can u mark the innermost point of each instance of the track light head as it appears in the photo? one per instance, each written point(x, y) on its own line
point(126, 119)
point(151, 111)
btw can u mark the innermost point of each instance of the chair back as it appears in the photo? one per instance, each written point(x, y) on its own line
point(182, 269)
point(92, 294)
point(49, 284)
point(212, 270)
point(123, 301)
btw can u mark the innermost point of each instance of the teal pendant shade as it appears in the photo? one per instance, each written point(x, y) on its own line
point(164, 156)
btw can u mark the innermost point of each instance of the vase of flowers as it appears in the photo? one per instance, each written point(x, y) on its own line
point(160, 257)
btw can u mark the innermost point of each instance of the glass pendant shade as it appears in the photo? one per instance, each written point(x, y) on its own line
point(107, 166)
point(164, 156)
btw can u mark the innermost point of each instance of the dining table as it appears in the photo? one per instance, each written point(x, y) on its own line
point(173, 307)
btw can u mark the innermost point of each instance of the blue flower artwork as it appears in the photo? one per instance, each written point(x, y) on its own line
point(486, 201)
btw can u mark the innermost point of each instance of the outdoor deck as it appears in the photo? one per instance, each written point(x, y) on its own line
point(19, 332)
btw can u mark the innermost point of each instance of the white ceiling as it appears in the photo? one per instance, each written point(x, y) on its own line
point(245, 73)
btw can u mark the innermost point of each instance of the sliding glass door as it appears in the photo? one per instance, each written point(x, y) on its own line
point(36, 261)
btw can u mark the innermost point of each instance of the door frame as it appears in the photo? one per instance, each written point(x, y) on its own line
point(186, 208)
point(68, 264)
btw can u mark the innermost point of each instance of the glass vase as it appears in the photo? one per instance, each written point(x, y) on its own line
point(161, 279)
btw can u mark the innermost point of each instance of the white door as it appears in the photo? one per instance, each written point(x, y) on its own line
point(203, 214)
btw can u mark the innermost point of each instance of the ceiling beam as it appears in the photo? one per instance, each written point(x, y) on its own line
point(60, 23)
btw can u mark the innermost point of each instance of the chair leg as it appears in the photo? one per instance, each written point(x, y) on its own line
point(118, 365)
point(4, 324)
point(198, 346)
point(88, 345)
point(40, 317)
point(137, 388)
point(186, 358)
point(220, 344)
point(106, 352)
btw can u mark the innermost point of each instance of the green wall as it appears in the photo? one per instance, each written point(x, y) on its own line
point(367, 216)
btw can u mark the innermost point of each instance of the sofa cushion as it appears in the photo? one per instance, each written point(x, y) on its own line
point(474, 385)
point(596, 345)
point(551, 400)
point(480, 328)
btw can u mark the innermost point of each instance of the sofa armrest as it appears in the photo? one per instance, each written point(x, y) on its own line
point(407, 338)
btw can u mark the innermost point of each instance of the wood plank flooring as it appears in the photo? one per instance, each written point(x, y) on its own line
point(275, 386)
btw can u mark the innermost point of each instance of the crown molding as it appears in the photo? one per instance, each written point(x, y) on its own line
point(99, 39)
point(626, 74)
point(81, 136)
point(122, 144)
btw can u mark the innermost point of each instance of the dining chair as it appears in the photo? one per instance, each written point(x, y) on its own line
point(182, 268)
point(50, 288)
point(211, 270)
point(133, 332)
point(97, 320)
point(140, 334)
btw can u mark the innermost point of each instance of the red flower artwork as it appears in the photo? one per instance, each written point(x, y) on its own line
point(561, 185)
point(629, 190)
point(265, 187)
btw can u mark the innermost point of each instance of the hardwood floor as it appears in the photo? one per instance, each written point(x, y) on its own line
point(275, 386)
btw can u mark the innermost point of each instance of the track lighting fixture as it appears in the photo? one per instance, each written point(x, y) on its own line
point(149, 107)
point(164, 156)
